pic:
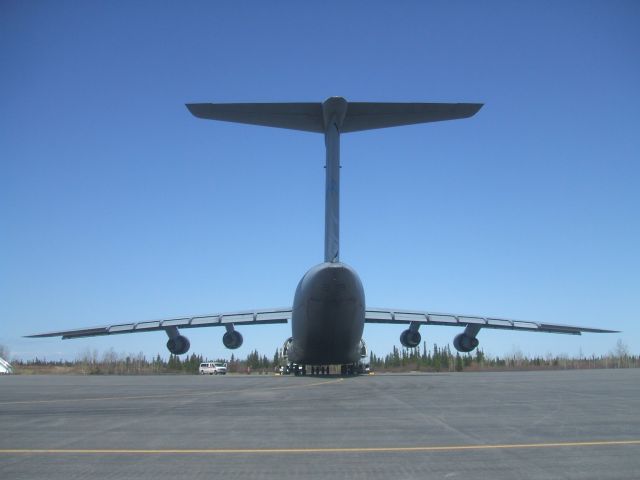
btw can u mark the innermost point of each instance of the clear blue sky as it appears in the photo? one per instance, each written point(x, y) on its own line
point(117, 205)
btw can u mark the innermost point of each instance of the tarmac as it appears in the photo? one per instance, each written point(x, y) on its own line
point(581, 424)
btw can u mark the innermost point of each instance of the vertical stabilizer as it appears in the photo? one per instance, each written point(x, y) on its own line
point(333, 112)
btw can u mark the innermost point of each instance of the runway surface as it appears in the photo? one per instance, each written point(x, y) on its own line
point(533, 425)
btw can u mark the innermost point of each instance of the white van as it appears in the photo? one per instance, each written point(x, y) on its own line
point(213, 368)
point(5, 367)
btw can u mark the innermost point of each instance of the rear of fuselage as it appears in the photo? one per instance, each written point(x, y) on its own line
point(328, 316)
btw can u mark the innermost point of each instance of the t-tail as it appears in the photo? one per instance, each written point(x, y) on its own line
point(333, 117)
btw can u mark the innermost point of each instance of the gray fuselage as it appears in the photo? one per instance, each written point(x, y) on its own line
point(328, 316)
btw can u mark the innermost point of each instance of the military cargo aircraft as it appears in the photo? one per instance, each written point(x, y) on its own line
point(329, 310)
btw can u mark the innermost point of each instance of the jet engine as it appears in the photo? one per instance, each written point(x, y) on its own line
point(465, 343)
point(178, 345)
point(232, 339)
point(410, 338)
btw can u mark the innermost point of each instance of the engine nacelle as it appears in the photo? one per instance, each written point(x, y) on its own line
point(178, 345)
point(232, 340)
point(363, 349)
point(410, 338)
point(464, 343)
point(286, 347)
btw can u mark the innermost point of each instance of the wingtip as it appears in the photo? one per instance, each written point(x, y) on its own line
point(194, 108)
point(475, 108)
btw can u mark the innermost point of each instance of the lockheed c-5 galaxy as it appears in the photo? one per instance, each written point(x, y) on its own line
point(329, 310)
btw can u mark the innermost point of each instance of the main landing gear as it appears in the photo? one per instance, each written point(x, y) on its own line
point(299, 370)
point(315, 370)
point(348, 370)
point(319, 370)
point(345, 370)
point(322, 370)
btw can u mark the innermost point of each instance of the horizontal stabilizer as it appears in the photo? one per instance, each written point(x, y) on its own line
point(295, 116)
point(309, 116)
point(368, 115)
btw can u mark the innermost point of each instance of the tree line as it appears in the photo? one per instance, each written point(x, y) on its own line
point(440, 359)
point(90, 362)
point(436, 359)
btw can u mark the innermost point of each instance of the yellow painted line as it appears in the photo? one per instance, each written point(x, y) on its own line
point(246, 451)
point(173, 395)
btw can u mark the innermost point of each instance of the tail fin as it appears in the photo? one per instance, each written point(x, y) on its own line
point(333, 117)
point(309, 116)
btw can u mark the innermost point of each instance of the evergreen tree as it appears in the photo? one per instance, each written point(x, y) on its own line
point(458, 364)
point(479, 356)
point(437, 360)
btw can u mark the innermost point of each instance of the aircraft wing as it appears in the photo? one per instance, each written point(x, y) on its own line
point(395, 316)
point(252, 317)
